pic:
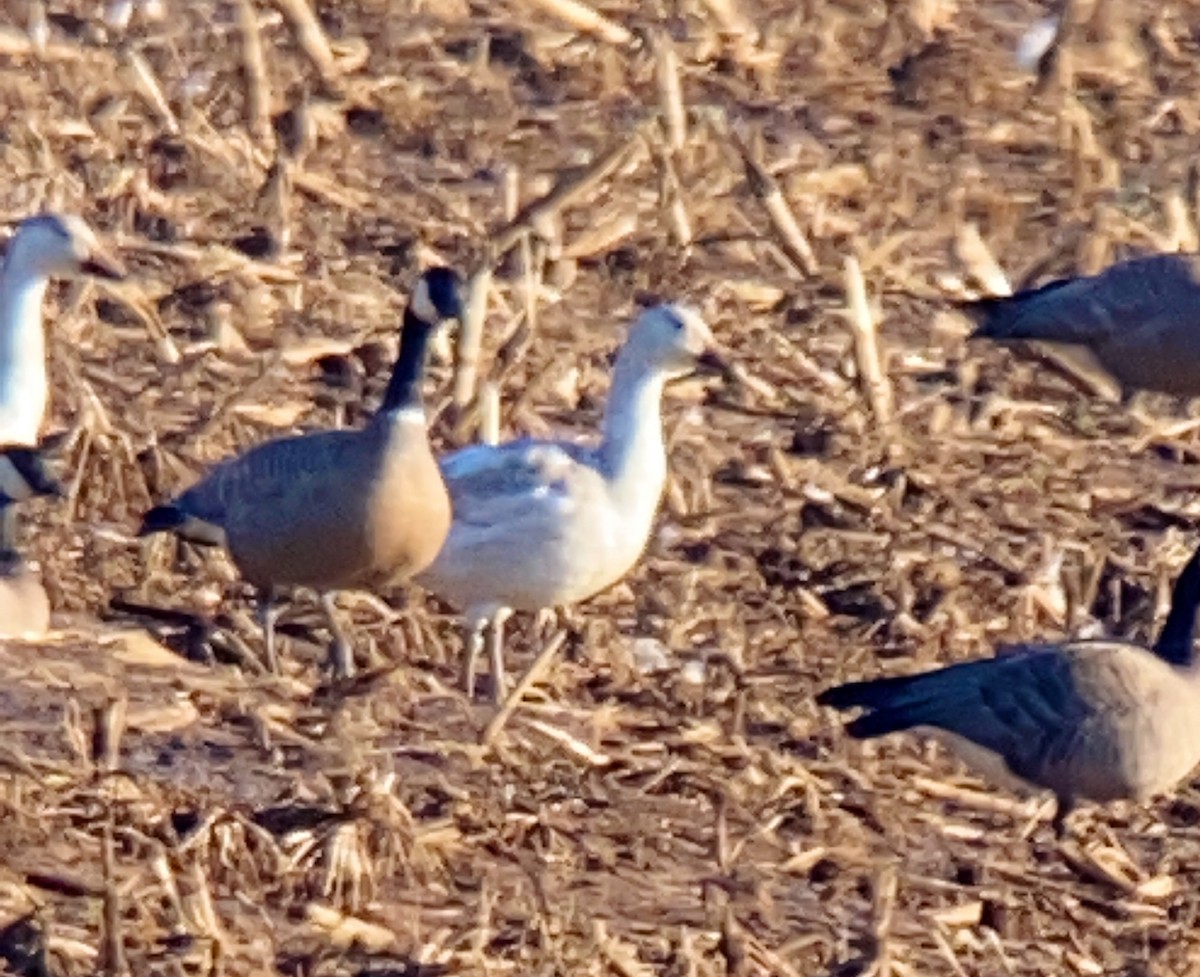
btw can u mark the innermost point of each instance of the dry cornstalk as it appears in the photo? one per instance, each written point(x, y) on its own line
point(766, 188)
point(258, 87)
point(979, 261)
point(14, 42)
point(736, 27)
point(671, 194)
point(1183, 235)
point(108, 726)
point(872, 375)
point(570, 187)
point(489, 412)
point(528, 680)
point(883, 905)
point(148, 87)
point(112, 952)
point(310, 37)
point(601, 236)
point(670, 92)
point(470, 337)
point(586, 19)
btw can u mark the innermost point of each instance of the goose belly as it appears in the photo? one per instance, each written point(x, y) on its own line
point(341, 539)
point(1164, 360)
point(24, 606)
point(534, 565)
point(23, 395)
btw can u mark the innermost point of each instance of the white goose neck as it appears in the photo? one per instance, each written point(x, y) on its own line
point(23, 385)
point(632, 451)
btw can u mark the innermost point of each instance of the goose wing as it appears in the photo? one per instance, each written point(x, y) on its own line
point(1053, 715)
point(272, 478)
point(1150, 296)
point(490, 484)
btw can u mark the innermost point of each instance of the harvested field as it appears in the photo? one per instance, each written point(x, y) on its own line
point(276, 176)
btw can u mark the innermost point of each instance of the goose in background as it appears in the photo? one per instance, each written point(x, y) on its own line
point(333, 510)
point(1096, 720)
point(24, 475)
point(24, 606)
point(43, 247)
point(541, 523)
point(1140, 318)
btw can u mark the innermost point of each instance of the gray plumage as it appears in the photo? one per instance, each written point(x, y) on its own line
point(1140, 318)
point(1094, 720)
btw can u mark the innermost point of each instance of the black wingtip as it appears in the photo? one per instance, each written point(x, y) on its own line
point(161, 519)
point(989, 315)
point(34, 477)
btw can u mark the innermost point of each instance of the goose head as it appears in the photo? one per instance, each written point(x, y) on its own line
point(60, 245)
point(438, 296)
point(674, 341)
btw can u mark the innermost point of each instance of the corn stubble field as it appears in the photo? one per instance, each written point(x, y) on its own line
point(276, 182)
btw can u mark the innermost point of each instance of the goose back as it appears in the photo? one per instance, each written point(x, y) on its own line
point(524, 515)
point(332, 509)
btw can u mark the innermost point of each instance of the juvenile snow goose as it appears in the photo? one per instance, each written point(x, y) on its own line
point(43, 247)
point(24, 606)
point(1140, 318)
point(333, 510)
point(540, 524)
point(1093, 720)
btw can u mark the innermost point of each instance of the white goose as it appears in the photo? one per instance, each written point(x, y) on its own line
point(540, 524)
point(24, 606)
point(43, 247)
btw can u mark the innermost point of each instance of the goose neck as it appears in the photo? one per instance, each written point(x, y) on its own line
point(21, 295)
point(633, 453)
point(1175, 644)
point(403, 392)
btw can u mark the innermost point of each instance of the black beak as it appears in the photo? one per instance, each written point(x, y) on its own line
point(713, 362)
point(101, 265)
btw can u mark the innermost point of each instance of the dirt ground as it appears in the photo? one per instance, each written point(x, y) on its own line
point(276, 186)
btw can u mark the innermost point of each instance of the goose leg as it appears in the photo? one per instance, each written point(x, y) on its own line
point(268, 614)
point(1063, 807)
point(496, 654)
point(472, 645)
point(8, 528)
point(341, 656)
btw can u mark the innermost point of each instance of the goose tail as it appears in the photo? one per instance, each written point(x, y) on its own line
point(892, 708)
point(170, 518)
point(1028, 314)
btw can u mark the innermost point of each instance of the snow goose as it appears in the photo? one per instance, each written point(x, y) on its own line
point(43, 247)
point(1141, 319)
point(24, 606)
point(540, 524)
point(333, 510)
point(1098, 720)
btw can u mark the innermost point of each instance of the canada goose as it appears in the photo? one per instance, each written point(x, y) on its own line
point(333, 510)
point(43, 247)
point(540, 524)
point(24, 606)
point(1141, 319)
point(1098, 720)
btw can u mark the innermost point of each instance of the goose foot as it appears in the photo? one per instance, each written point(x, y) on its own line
point(496, 655)
point(472, 644)
point(1063, 807)
point(341, 654)
point(268, 614)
